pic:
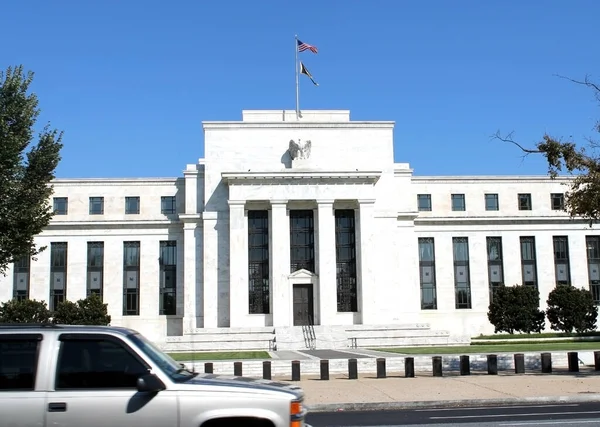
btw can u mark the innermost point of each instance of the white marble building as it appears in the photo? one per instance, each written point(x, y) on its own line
point(287, 223)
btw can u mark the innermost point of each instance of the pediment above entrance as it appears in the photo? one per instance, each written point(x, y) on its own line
point(302, 274)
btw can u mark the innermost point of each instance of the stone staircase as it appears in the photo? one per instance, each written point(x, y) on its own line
point(366, 336)
point(313, 337)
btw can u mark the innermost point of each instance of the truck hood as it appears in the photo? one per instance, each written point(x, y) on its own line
point(245, 382)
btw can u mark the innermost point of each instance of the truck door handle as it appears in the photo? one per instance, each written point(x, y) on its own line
point(57, 407)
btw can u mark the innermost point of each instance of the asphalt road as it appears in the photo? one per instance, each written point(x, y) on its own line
point(568, 415)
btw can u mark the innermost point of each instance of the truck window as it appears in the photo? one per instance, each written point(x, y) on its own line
point(18, 362)
point(97, 363)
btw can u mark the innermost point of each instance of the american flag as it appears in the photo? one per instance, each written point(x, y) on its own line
point(305, 46)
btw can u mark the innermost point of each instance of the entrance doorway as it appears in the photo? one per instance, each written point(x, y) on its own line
point(303, 304)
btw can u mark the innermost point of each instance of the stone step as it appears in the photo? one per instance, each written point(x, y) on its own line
point(222, 337)
point(188, 347)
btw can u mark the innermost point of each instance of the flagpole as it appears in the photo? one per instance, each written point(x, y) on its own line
point(297, 78)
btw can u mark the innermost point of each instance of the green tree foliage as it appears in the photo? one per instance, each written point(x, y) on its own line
point(92, 311)
point(66, 313)
point(516, 309)
point(88, 311)
point(571, 309)
point(24, 175)
point(583, 198)
point(24, 311)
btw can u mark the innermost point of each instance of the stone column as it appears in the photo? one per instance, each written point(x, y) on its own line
point(327, 263)
point(210, 284)
point(279, 239)
point(189, 276)
point(238, 264)
point(366, 252)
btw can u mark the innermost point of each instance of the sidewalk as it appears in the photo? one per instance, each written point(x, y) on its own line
point(370, 393)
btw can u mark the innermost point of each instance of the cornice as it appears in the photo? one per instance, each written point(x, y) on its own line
point(503, 220)
point(515, 179)
point(285, 176)
point(297, 125)
point(97, 182)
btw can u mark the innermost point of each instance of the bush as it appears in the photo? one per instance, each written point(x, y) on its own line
point(88, 311)
point(516, 309)
point(24, 311)
point(571, 309)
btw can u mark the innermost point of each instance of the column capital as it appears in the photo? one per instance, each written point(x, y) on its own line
point(233, 203)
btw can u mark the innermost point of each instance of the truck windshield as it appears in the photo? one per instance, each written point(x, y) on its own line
point(173, 369)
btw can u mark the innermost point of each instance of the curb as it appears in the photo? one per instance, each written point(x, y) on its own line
point(431, 404)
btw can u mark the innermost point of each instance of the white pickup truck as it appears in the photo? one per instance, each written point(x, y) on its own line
point(97, 376)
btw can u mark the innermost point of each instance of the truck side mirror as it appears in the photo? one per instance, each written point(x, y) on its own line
point(150, 383)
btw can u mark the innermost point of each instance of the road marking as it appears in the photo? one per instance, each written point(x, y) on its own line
point(540, 414)
point(474, 408)
point(550, 423)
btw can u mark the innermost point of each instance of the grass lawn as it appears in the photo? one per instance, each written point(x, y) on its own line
point(535, 336)
point(219, 355)
point(502, 348)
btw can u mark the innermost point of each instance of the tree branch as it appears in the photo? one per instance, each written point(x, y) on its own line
point(508, 138)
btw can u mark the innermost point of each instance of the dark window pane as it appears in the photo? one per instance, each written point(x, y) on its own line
point(18, 363)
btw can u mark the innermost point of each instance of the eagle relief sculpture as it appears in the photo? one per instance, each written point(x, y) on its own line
point(299, 150)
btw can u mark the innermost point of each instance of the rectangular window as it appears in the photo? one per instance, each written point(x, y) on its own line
point(557, 200)
point(592, 244)
point(168, 277)
point(524, 202)
point(18, 363)
point(95, 268)
point(491, 202)
point(58, 274)
point(96, 205)
point(424, 202)
point(561, 260)
point(131, 278)
point(22, 271)
point(132, 205)
point(462, 281)
point(528, 261)
point(427, 273)
point(168, 205)
point(302, 240)
point(345, 258)
point(258, 262)
point(60, 206)
point(495, 266)
point(458, 202)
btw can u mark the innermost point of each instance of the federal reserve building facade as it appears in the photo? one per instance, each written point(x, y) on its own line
point(303, 232)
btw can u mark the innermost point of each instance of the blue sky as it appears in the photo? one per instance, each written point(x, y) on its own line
point(131, 81)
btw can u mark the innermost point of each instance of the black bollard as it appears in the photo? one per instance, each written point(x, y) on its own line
point(409, 367)
point(266, 370)
point(381, 368)
point(295, 370)
point(492, 364)
point(519, 363)
point(546, 363)
point(437, 366)
point(573, 359)
point(237, 369)
point(325, 370)
point(465, 365)
point(208, 368)
point(352, 369)
point(597, 360)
